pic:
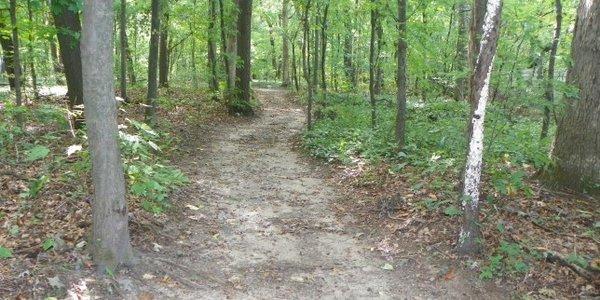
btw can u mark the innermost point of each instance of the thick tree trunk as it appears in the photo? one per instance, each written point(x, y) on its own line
point(110, 234)
point(228, 49)
point(68, 25)
point(34, 83)
point(16, 54)
point(153, 62)
point(123, 44)
point(243, 71)
point(469, 237)
point(549, 93)
point(163, 57)
point(285, 45)
point(213, 81)
point(401, 76)
point(577, 145)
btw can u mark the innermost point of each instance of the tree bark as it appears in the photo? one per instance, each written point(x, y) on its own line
point(461, 88)
point(16, 54)
point(163, 57)
point(34, 83)
point(577, 145)
point(324, 47)
point(401, 76)
point(213, 81)
point(469, 237)
point(549, 92)
point(306, 62)
point(8, 48)
point(153, 62)
point(68, 25)
point(228, 49)
point(349, 68)
point(110, 242)
point(123, 44)
point(294, 66)
point(243, 71)
point(373, 62)
point(285, 45)
point(475, 31)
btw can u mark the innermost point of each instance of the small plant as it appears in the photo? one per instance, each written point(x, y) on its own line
point(5, 252)
point(508, 259)
point(35, 187)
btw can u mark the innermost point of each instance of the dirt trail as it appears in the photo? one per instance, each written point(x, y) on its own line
point(264, 228)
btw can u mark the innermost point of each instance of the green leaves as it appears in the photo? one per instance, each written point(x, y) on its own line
point(36, 153)
point(48, 244)
point(452, 211)
point(5, 252)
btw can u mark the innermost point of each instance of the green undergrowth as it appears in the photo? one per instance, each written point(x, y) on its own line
point(44, 147)
point(436, 139)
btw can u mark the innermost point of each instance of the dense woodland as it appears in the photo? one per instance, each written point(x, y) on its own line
point(482, 116)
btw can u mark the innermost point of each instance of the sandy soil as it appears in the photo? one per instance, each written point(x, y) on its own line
point(257, 223)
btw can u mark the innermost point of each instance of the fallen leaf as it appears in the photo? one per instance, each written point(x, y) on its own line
point(387, 267)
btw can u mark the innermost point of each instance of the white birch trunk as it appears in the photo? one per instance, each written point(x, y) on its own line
point(469, 234)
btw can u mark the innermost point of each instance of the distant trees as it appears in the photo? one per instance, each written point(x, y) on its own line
point(110, 234)
point(576, 149)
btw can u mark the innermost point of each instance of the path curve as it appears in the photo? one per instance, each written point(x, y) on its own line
point(264, 227)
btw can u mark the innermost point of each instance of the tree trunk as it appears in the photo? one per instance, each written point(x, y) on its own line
point(349, 68)
point(34, 84)
point(153, 62)
point(130, 63)
point(475, 31)
point(577, 145)
point(6, 41)
point(55, 61)
point(213, 81)
point(110, 242)
point(193, 54)
point(228, 49)
point(68, 25)
point(294, 67)
point(243, 72)
point(469, 237)
point(373, 62)
point(549, 93)
point(324, 47)
point(123, 44)
point(461, 88)
point(163, 59)
point(306, 63)
point(16, 54)
point(285, 48)
point(273, 48)
point(401, 76)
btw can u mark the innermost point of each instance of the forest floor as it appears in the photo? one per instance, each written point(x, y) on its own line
point(259, 221)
